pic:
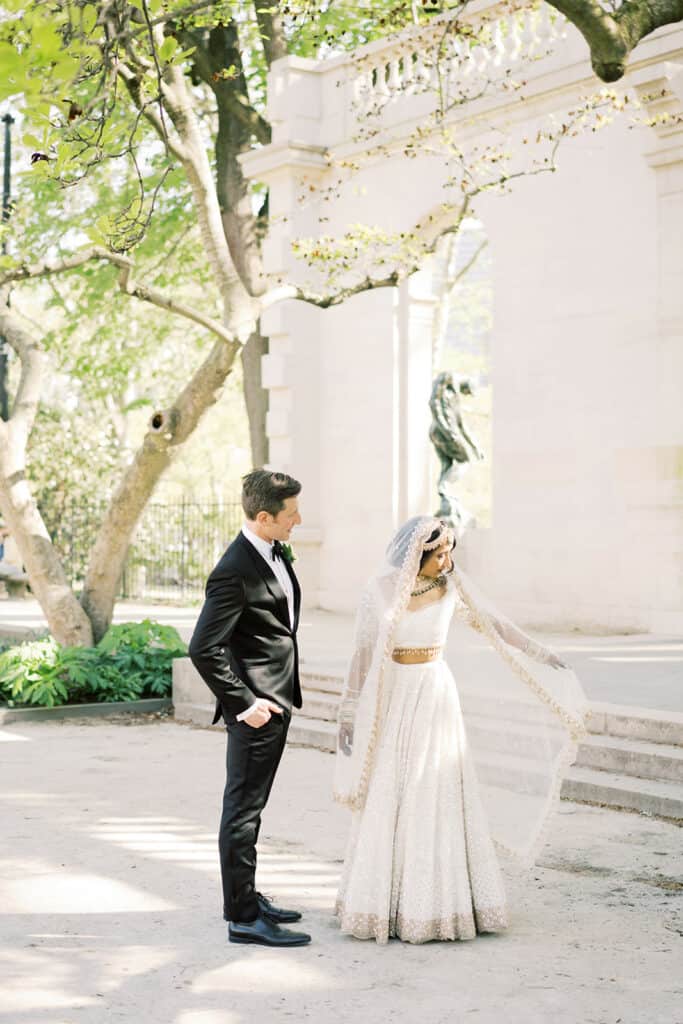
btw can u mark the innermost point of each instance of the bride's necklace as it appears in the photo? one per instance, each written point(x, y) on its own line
point(438, 581)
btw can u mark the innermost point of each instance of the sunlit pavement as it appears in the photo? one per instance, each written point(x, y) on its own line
point(110, 906)
point(24, 615)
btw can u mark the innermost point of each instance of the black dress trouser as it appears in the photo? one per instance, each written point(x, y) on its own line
point(252, 759)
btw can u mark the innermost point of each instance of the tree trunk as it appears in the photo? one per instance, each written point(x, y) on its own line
point(243, 230)
point(66, 619)
point(255, 397)
point(168, 429)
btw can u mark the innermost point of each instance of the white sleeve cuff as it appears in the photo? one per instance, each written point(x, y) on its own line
point(245, 714)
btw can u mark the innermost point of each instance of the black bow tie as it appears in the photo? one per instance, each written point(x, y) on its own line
point(276, 550)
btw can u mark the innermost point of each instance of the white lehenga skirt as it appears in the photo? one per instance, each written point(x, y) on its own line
point(420, 862)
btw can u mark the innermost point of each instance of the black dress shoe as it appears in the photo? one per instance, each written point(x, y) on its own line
point(264, 932)
point(276, 914)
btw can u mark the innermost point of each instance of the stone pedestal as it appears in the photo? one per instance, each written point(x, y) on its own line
point(192, 700)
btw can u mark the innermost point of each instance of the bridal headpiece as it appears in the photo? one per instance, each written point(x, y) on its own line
point(446, 535)
point(405, 550)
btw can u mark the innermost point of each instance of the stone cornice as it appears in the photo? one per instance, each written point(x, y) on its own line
point(262, 164)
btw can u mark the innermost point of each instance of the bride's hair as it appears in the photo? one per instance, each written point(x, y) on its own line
point(429, 548)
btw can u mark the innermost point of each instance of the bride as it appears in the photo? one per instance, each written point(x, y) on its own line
point(444, 770)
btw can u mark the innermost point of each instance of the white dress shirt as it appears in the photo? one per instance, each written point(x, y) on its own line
point(279, 569)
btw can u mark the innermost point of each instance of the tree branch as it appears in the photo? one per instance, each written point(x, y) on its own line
point(470, 263)
point(601, 31)
point(179, 104)
point(292, 291)
point(147, 293)
point(150, 112)
point(235, 100)
point(31, 358)
point(272, 33)
point(191, 151)
point(127, 284)
point(612, 37)
point(238, 122)
point(429, 232)
point(638, 18)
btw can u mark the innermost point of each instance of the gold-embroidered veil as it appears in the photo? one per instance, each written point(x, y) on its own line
point(524, 710)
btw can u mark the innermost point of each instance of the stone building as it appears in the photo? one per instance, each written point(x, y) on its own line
point(586, 524)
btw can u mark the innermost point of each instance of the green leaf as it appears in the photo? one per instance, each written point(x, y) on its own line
point(88, 19)
point(167, 49)
point(138, 403)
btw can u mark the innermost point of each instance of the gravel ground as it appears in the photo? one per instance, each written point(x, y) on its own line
point(110, 904)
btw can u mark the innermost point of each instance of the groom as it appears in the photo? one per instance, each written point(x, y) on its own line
point(244, 647)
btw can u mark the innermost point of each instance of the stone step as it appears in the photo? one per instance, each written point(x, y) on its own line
point(513, 772)
point(321, 681)
point(319, 706)
point(507, 769)
point(624, 792)
point(635, 723)
point(625, 721)
point(607, 753)
point(625, 756)
point(517, 738)
point(663, 799)
point(521, 710)
point(312, 732)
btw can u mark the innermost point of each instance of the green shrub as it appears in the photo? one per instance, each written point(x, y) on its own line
point(30, 674)
point(132, 661)
point(144, 653)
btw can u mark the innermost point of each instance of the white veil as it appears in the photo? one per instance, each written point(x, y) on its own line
point(523, 717)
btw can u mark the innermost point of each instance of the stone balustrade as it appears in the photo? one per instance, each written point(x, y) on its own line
point(319, 106)
point(490, 57)
point(469, 54)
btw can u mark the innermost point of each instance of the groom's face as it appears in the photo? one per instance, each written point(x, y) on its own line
point(279, 527)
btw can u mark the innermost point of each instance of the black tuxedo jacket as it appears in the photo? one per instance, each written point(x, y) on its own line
point(243, 645)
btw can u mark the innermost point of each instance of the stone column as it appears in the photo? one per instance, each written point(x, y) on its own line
point(374, 422)
point(661, 465)
point(291, 370)
point(415, 312)
point(291, 373)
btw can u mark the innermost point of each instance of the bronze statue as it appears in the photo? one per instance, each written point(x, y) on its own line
point(454, 447)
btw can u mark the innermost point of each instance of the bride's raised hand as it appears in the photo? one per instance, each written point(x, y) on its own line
point(554, 661)
point(346, 738)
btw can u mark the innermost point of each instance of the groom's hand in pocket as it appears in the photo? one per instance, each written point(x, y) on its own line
point(261, 714)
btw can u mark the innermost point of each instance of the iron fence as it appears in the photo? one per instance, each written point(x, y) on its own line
point(174, 548)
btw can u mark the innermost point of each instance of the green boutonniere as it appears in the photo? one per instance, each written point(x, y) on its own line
point(288, 553)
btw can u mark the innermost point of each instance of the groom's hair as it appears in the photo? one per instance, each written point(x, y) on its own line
point(264, 491)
